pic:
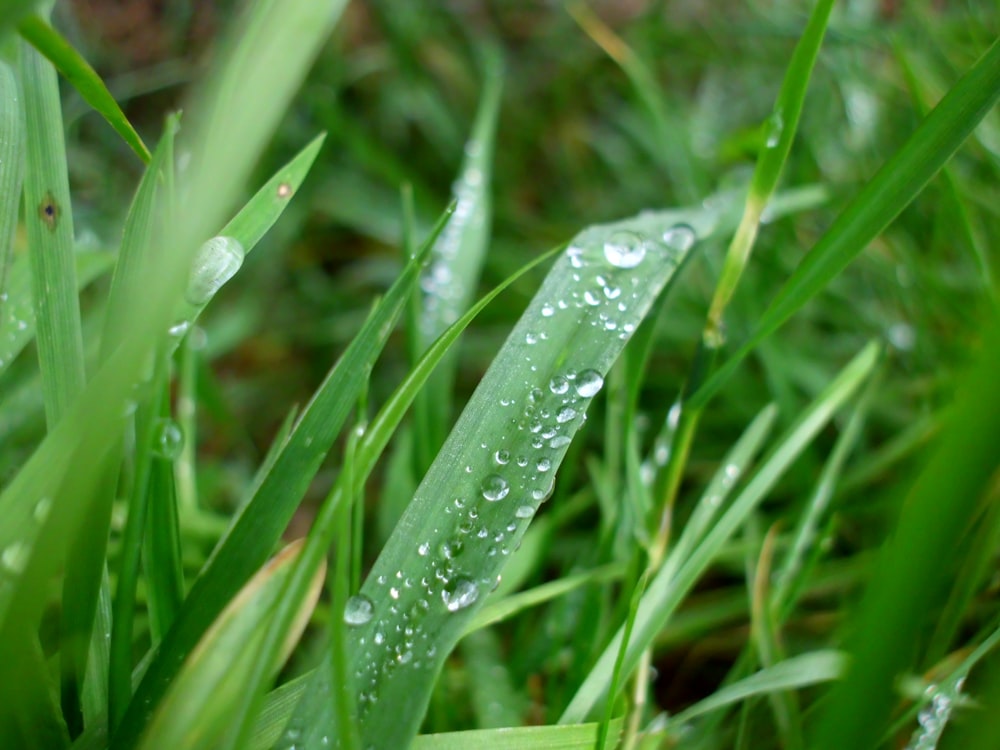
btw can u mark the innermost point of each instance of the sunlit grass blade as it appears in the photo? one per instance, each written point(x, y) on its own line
point(499, 463)
point(882, 198)
point(83, 78)
point(266, 514)
point(194, 713)
point(912, 573)
point(11, 171)
point(675, 579)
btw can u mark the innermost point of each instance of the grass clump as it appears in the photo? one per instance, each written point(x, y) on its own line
point(723, 474)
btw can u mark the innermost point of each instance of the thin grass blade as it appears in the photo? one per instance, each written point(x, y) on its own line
point(11, 172)
point(51, 44)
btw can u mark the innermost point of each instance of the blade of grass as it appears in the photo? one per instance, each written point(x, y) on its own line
point(455, 535)
point(12, 148)
point(576, 737)
point(875, 206)
point(51, 44)
point(910, 575)
point(675, 578)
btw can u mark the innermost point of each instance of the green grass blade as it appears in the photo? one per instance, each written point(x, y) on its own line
point(12, 11)
point(49, 221)
point(796, 672)
point(194, 713)
point(11, 172)
point(675, 579)
point(892, 188)
point(575, 737)
point(912, 571)
point(778, 134)
point(82, 77)
point(265, 516)
point(499, 464)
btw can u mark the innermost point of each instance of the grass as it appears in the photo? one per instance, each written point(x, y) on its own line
point(718, 475)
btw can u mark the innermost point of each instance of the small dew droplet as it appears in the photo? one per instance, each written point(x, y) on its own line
point(524, 511)
point(624, 249)
point(358, 610)
point(589, 382)
point(558, 384)
point(168, 439)
point(215, 263)
point(680, 237)
point(495, 488)
point(459, 594)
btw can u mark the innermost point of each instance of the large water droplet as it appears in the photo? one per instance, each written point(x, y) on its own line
point(358, 610)
point(558, 384)
point(566, 413)
point(459, 594)
point(495, 488)
point(680, 238)
point(215, 263)
point(625, 249)
point(589, 382)
point(168, 439)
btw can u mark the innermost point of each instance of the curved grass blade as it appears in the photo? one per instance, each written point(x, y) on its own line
point(795, 672)
point(678, 574)
point(195, 712)
point(264, 517)
point(892, 188)
point(913, 569)
point(497, 467)
point(11, 172)
point(82, 77)
point(12, 11)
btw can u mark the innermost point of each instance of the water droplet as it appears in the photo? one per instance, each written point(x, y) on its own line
point(625, 249)
point(42, 508)
point(524, 511)
point(522, 461)
point(358, 610)
point(215, 263)
point(452, 549)
point(531, 338)
point(775, 126)
point(589, 382)
point(566, 413)
point(548, 310)
point(423, 549)
point(502, 456)
point(543, 465)
point(168, 439)
point(179, 329)
point(495, 488)
point(558, 384)
point(459, 594)
point(559, 441)
point(680, 237)
point(14, 558)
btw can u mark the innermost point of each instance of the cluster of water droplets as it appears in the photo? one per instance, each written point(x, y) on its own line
point(933, 718)
point(445, 294)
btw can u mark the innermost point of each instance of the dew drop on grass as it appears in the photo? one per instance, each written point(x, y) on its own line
point(543, 465)
point(452, 549)
point(179, 329)
point(168, 439)
point(680, 237)
point(42, 508)
point(459, 594)
point(565, 414)
point(559, 441)
point(502, 456)
point(558, 384)
point(358, 610)
point(547, 310)
point(495, 487)
point(215, 263)
point(624, 249)
point(588, 383)
point(14, 557)
point(524, 511)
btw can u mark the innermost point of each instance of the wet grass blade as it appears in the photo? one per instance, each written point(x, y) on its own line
point(498, 466)
point(676, 577)
point(882, 198)
point(51, 44)
point(11, 173)
point(575, 737)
